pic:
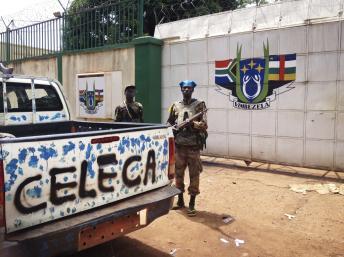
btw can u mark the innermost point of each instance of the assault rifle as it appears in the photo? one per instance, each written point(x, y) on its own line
point(186, 122)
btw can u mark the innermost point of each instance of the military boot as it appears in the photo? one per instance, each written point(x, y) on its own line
point(180, 202)
point(192, 211)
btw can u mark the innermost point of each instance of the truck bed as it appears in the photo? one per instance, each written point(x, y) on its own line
point(74, 128)
point(55, 170)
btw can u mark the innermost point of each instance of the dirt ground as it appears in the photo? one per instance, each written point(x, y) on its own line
point(256, 198)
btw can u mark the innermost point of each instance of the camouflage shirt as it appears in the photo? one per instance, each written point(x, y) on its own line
point(129, 112)
point(194, 134)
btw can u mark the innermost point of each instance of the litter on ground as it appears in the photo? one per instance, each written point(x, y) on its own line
point(224, 241)
point(238, 242)
point(289, 216)
point(173, 252)
point(319, 188)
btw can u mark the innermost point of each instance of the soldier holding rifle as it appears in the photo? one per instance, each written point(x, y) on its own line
point(188, 118)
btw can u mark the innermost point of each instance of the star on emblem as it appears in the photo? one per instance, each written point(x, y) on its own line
point(252, 64)
point(259, 68)
point(244, 69)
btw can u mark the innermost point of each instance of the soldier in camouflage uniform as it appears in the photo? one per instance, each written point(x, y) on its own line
point(129, 110)
point(189, 141)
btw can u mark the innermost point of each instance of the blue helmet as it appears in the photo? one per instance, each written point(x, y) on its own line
point(188, 83)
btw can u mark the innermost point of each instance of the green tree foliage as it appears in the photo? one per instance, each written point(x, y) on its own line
point(91, 23)
point(94, 23)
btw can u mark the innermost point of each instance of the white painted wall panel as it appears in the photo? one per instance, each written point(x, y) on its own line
point(339, 156)
point(239, 146)
point(211, 74)
point(219, 24)
point(320, 125)
point(301, 68)
point(322, 96)
point(341, 95)
point(199, 73)
point(218, 48)
point(201, 93)
point(244, 40)
point(342, 35)
point(166, 76)
point(178, 73)
point(179, 53)
point(201, 23)
point(340, 127)
point(164, 115)
point(293, 40)
point(264, 123)
point(242, 20)
point(267, 16)
point(217, 120)
point(319, 153)
point(263, 148)
point(341, 66)
point(263, 37)
point(218, 143)
point(322, 67)
point(217, 100)
point(293, 13)
point(294, 148)
point(197, 51)
point(239, 121)
point(166, 55)
point(293, 99)
point(321, 8)
point(319, 35)
point(169, 96)
point(291, 124)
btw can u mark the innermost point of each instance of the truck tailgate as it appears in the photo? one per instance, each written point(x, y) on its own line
point(49, 179)
point(47, 239)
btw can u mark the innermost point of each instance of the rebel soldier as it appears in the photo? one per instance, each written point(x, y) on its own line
point(189, 140)
point(129, 110)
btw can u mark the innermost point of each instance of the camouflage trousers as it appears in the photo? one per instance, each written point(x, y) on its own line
point(188, 157)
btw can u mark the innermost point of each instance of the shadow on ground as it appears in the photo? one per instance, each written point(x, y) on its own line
point(122, 247)
point(285, 170)
point(212, 220)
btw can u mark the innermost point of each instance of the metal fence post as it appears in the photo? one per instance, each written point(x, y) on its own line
point(8, 45)
point(140, 17)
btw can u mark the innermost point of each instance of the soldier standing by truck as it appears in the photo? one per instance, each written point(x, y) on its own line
point(189, 139)
point(129, 110)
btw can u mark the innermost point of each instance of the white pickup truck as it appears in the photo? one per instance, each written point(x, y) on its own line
point(69, 185)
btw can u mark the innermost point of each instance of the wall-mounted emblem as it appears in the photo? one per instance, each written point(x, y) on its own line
point(90, 95)
point(253, 82)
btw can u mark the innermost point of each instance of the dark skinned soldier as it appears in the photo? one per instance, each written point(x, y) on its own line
point(189, 141)
point(129, 110)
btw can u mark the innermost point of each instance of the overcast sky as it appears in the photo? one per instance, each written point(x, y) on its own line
point(24, 12)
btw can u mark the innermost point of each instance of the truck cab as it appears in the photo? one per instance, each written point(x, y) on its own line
point(74, 183)
point(30, 100)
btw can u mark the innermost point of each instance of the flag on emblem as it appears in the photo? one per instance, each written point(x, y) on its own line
point(282, 67)
point(224, 72)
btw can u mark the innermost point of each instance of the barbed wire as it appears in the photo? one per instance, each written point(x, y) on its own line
point(39, 12)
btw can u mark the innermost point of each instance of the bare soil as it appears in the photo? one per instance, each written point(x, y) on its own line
point(256, 198)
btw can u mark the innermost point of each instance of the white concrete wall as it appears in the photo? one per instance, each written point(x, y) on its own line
point(117, 64)
point(304, 126)
point(122, 60)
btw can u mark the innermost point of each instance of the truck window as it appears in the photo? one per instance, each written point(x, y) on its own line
point(47, 98)
point(17, 97)
point(1, 99)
